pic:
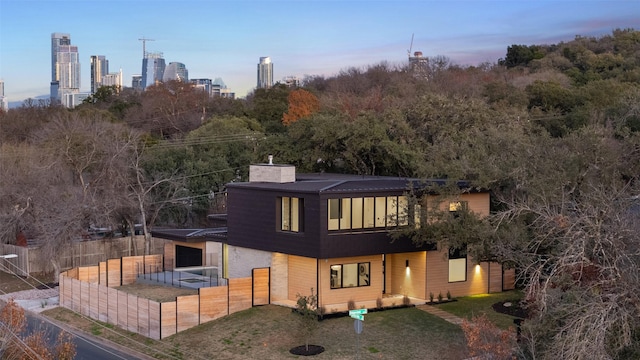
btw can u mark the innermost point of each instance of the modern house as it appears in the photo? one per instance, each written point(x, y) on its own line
point(331, 233)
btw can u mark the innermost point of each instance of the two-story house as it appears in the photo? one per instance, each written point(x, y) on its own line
point(330, 232)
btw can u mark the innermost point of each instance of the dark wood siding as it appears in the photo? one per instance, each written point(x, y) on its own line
point(252, 223)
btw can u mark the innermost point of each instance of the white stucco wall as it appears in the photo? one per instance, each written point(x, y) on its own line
point(243, 260)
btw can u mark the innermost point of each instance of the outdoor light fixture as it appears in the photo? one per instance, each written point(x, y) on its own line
point(407, 263)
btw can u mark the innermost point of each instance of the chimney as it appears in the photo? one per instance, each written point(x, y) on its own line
point(271, 172)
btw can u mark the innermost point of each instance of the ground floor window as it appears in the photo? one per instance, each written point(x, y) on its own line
point(457, 265)
point(350, 275)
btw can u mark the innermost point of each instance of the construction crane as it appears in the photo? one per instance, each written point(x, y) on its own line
point(144, 45)
point(410, 46)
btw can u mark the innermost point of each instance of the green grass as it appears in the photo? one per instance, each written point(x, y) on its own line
point(470, 306)
point(269, 332)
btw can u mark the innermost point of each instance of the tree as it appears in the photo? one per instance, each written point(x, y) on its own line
point(15, 344)
point(267, 106)
point(168, 110)
point(307, 308)
point(302, 103)
point(521, 55)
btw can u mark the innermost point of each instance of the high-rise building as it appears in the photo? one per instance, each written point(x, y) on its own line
point(152, 69)
point(202, 84)
point(265, 73)
point(99, 68)
point(113, 79)
point(57, 40)
point(419, 65)
point(175, 71)
point(4, 104)
point(136, 82)
point(291, 81)
point(68, 68)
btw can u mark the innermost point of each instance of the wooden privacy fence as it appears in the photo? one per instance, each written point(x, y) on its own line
point(82, 253)
point(92, 291)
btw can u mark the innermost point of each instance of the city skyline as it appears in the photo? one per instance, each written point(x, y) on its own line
point(303, 38)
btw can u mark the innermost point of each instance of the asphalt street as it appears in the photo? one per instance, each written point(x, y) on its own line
point(87, 348)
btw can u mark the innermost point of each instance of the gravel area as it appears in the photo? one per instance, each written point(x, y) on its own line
point(34, 300)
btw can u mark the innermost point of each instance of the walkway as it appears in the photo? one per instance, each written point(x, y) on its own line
point(434, 310)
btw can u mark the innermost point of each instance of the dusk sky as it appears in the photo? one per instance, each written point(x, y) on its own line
point(226, 38)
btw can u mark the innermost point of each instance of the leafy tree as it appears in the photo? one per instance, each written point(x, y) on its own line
point(16, 344)
point(364, 146)
point(302, 103)
point(518, 55)
point(268, 105)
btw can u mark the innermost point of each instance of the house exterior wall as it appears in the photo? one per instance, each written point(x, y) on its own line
point(251, 222)
point(478, 203)
point(411, 282)
point(330, 298)
point(302, 276)
point(211, 252)
point(438, 277)
point(241, 261)
point(279, 277)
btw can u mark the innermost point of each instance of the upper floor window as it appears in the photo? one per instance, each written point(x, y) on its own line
point(368, 212)
point(455, 206)
point(291, 214)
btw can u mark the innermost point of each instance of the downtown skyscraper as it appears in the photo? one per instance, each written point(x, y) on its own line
point(265, 73)
point(152, 69)
point(175, 71)
point(65, 70)
point(4, 104)
point(99, 69)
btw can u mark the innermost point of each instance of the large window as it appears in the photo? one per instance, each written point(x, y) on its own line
point(457, 265)
point(350, 275)
point(369, 212)
point(291, 214)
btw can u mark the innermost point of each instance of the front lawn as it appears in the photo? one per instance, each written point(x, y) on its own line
point(470, 306)
point(269, 332)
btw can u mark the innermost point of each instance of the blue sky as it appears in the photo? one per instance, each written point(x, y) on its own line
point(225, 39)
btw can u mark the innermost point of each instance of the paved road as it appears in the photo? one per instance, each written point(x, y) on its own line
point(87, 348)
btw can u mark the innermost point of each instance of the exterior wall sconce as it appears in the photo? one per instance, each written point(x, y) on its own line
point(407, 263)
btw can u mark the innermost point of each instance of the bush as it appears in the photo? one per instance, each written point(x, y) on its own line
point(487, 341)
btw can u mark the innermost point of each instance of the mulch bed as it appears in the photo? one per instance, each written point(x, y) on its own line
point(302, 350)
point(511, 307)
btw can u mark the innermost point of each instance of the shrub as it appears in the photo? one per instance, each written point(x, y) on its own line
point(439, 296)
point(351, 305)
point(448, 295)
point(431, 297)
point(378, 303)
point(487, 341)
point(406, 301)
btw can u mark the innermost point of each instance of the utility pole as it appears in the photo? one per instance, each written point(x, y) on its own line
point(144, 45)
